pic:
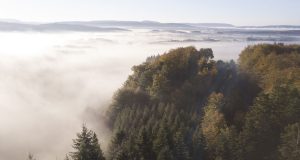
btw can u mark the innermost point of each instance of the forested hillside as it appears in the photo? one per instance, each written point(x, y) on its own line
point(183, 105)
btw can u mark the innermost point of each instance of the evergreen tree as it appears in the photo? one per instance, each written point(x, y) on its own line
point(117, 147)
point(96, 152)
point(86, 146)
point(266, 120)
point(165, 154)
point(181, 150)
point(162, 139)
point(144, 145)
point(290, 143)
point(31, 157)
point(198, 145)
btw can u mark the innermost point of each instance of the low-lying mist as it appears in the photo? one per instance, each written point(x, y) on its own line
point(52, 83)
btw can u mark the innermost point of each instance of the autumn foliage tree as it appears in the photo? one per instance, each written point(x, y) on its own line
point(183, 105)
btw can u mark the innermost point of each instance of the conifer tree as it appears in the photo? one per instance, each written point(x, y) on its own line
point(116, 148)
point(165, 154)
point(86, 146)
point(181, 150)
point(144, 145)
point(289, 148)
point(96, 152)
point(31, 157)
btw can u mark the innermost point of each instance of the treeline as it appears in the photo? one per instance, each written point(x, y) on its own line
point(183, 105)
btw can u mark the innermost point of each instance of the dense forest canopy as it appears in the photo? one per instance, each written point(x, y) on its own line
point(183, 105)
point(272, 65)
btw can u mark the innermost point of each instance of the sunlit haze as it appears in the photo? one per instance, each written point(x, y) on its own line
point(237, 12)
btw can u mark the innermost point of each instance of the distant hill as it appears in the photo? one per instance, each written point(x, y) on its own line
point(211, 24)
point(100, 26)
point(54, 27)
point(149, 24)
point(131, 24)
point(273, 26)
point(113, 25)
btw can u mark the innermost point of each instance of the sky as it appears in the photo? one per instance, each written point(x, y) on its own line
point(237, 12)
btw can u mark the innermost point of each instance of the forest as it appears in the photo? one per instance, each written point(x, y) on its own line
point(184, 105)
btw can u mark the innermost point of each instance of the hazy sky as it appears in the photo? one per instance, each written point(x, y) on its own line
point(238, 12)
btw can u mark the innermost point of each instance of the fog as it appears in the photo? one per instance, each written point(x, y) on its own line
point(52, 83)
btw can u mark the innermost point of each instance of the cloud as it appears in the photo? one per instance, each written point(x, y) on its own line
point(44, 102)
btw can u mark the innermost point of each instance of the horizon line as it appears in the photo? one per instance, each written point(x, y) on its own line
point(11, 20)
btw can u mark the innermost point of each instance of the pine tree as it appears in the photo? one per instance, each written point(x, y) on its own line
point(86, 146)
point(96, 152)
point(289, 148)
point(31, 157)
point(181, 150)
point(198, 144)
point(116, 144)
point(165, 154)
point(144, 145)
point(162, 139)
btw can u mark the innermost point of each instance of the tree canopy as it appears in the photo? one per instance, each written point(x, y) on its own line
point(183, 105)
